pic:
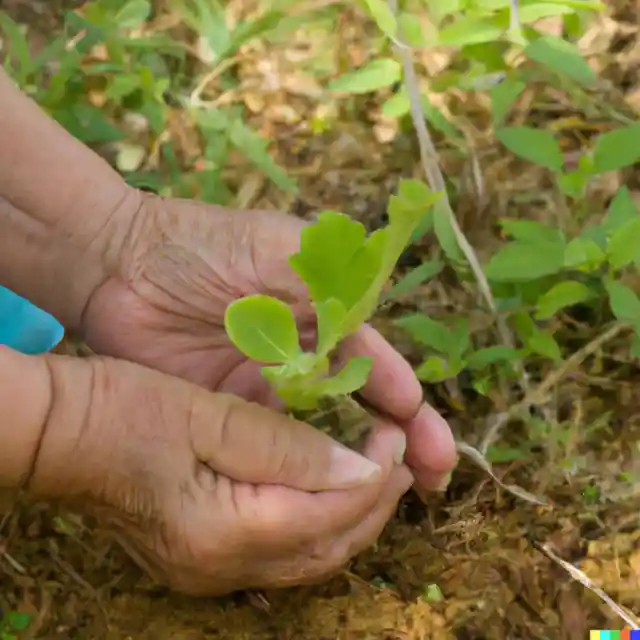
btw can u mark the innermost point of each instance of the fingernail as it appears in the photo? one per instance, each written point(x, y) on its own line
point(350, 469)
point(401, 448)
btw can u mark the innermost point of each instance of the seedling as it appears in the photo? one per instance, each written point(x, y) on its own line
point(345, 272)
point(12, 623)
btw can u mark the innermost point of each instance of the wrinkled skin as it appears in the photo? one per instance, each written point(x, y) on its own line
point(184, 262)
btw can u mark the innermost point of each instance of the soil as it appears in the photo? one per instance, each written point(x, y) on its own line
point(466, 565)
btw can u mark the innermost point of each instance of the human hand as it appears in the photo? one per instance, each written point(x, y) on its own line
point(185, 262)
point(206, 491)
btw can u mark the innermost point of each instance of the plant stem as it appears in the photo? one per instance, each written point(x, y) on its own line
point(514, 16)
point(343, 418)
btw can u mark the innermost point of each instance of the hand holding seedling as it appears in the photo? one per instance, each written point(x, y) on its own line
point(190, 262)
point(209, 491)
point(263, 493)
point(344, 272)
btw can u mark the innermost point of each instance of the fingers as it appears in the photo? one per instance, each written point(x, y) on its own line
point(249, 443)
point(431, 448)
point(294, 518)
point(400, 479)
point(392, 387)
point(325, 531)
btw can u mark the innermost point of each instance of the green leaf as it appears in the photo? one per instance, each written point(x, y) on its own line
point(349, 379)
point(411, 30)
point(443, 8)
point(423, 227)
point(429, 332)
point(383, 16)
point(503, 96)
point(413, 196)
point(87, 123)
point(560, 296)
point(255, 148)
point(584, 254)
point(460, 338)
point(133, 14)
point(483, 358)
point(438, 121)
point(544, 344)
point(337, 260)
point(18, 621)
point(624, 244)
point(443, 227)
point(573, 183)
point(536, 340)
point(414, 192)
point(397, 105)
point(263, 329)
point(522, 262)
point(561, 57)
point(534, 12)
point(500, 454)
point(624, 302)
point(622, 209)
point(299, 382)
point(437, 369)
point(121, 86)
point(598, 236)
point(535, 145)
point(331, 315)
point(581, 5)
point(470, 30)
point(617, 149)
point(377, 74)
point(532, 232)
point(18, 48)
point(415, 278)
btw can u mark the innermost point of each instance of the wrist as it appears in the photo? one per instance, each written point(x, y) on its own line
point(26, 399)
point(74, 383)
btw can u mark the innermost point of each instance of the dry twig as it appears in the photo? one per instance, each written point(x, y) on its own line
point(580, 577)
point(436, 181)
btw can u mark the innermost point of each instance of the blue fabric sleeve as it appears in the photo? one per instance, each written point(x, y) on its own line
point(26, 328)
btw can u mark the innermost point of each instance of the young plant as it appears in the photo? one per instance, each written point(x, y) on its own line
point(12, 623)
point(345, 272)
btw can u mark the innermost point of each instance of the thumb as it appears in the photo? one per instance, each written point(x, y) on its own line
point(249, 443)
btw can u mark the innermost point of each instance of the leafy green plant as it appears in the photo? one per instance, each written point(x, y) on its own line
point(481, 33)
point(542, 271)
point(12, 623)
point(345, 272)
point(114, 82)
point(545, 273)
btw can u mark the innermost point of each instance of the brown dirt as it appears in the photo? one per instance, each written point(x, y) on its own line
point(477, 546)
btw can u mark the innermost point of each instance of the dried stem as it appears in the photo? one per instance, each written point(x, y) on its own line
point(435, 179)
point(584, 580)
point(514, 15)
